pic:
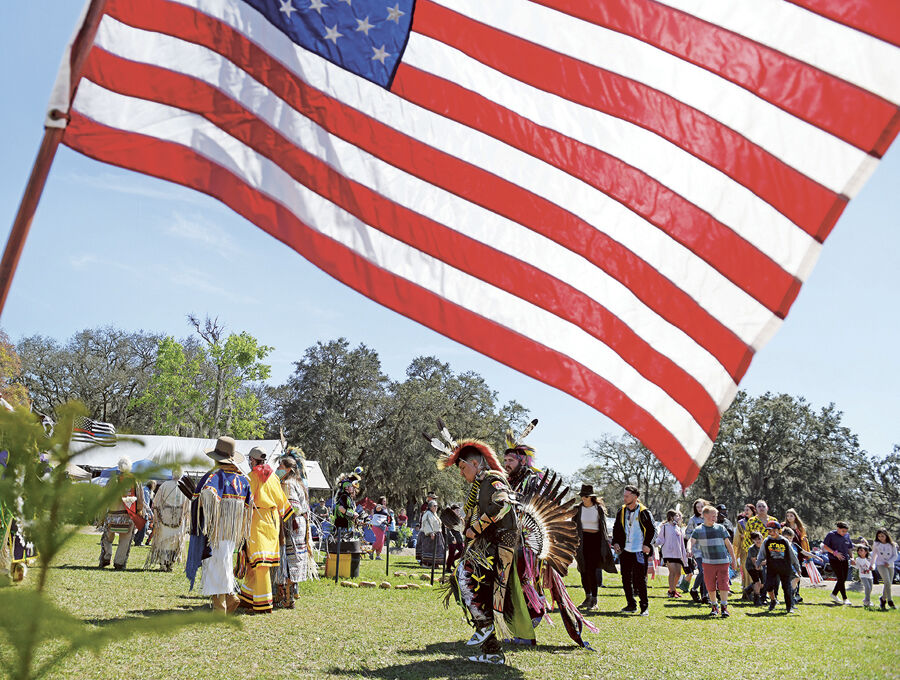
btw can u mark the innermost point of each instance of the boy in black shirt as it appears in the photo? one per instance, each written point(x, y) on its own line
point(778, 556)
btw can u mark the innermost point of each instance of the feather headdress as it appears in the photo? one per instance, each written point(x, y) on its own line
point(453, 449)
point(546, 519)
point(354, 477)
point(515, 444)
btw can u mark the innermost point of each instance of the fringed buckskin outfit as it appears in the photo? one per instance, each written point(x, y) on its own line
point(296, 563)
point(120, 523)
point(220, 520)
point(270, 509)
point(485, 581)
point(171, 520)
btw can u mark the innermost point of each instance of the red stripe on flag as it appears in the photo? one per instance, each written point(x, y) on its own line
point(719, 246)
point(181, 165)
point(497, 268)
point(805, 202)
point(450, 173)
point(878, 18)
point(834, 105)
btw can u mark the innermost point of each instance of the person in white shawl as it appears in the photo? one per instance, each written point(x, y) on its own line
point(296, 563)
point(171, 519)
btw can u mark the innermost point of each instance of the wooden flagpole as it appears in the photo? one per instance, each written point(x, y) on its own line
point(41, 168)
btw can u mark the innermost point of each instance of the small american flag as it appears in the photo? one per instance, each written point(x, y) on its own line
point(620, 198)
point(93, 432)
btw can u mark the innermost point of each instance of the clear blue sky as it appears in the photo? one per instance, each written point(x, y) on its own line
point(112, 247)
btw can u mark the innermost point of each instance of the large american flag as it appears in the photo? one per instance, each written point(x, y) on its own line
point(620, 198)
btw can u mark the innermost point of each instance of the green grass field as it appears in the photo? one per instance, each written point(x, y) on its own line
point(340, 632)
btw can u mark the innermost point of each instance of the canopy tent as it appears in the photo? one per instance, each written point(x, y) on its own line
point(78, 473)
point(187, 452)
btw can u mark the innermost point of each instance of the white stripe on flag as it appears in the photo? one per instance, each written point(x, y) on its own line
point(703, 185)
point(422, 197)
point(817, 154)
point(840, 50)
point(733, 307)
point(195, 132)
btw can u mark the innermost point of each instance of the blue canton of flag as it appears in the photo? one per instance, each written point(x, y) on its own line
point(366, 37)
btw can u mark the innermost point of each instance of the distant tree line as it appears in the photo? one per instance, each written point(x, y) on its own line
point(773, 447)
point(341, 407)
point(338, 404)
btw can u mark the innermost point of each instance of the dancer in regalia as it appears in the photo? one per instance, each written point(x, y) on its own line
point(220, 520)
point(270, 509)
point(344, 515)
point(296, 562)
point(170, 525)
point(536, 500)
point(485, 581)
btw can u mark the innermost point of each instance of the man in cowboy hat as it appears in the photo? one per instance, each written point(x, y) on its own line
point(270, 508)
point(220, 505)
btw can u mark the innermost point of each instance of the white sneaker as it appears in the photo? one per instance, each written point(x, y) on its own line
point(496, 659)
point(836, 599)
point(846, 603)
point(480, 635)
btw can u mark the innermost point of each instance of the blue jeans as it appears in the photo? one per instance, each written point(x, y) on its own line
point(699, 580)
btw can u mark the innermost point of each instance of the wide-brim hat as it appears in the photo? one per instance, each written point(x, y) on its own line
point(587, 490)
point(226, 451)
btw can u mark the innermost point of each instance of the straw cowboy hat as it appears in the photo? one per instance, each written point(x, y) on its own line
point(226, 451)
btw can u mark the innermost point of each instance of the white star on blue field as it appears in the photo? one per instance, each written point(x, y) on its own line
point(365, 37)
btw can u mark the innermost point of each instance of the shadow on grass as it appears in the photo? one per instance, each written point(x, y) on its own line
point(110, 568)
point(145, 613)
point(765, 612)
point(456, 667)
point(589, 615)
point(462, 670)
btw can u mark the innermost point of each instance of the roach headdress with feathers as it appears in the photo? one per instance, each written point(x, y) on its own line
point(453, 450)
point(515, 445)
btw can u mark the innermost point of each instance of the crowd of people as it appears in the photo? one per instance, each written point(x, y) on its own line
point(264, 516)
point(507, 548)
point(708, 555)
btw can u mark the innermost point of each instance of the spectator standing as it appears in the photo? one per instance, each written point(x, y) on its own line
point(381, 526)
point(147, 514)
point(742, 546)
point(674, 555)
point(718, 554)
point(455, 544)
point(778, 556)
point(722, 518)
point(754, 572)
point(633, 534)
point(865, 567)
point(431, 536)
point(695, 521)
point(593, 552)
point(839, 546)
point(800, 538)
point(885, 553)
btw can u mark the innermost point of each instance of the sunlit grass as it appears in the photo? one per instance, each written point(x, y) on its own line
point(372, 633)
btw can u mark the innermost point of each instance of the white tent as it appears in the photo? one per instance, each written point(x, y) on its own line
point(187, 452)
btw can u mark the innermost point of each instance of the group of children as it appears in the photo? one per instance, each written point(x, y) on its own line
point(776, 553)
point(773, 561)
point(779, 555)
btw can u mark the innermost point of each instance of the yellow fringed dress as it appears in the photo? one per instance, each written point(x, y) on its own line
point(270, 507)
